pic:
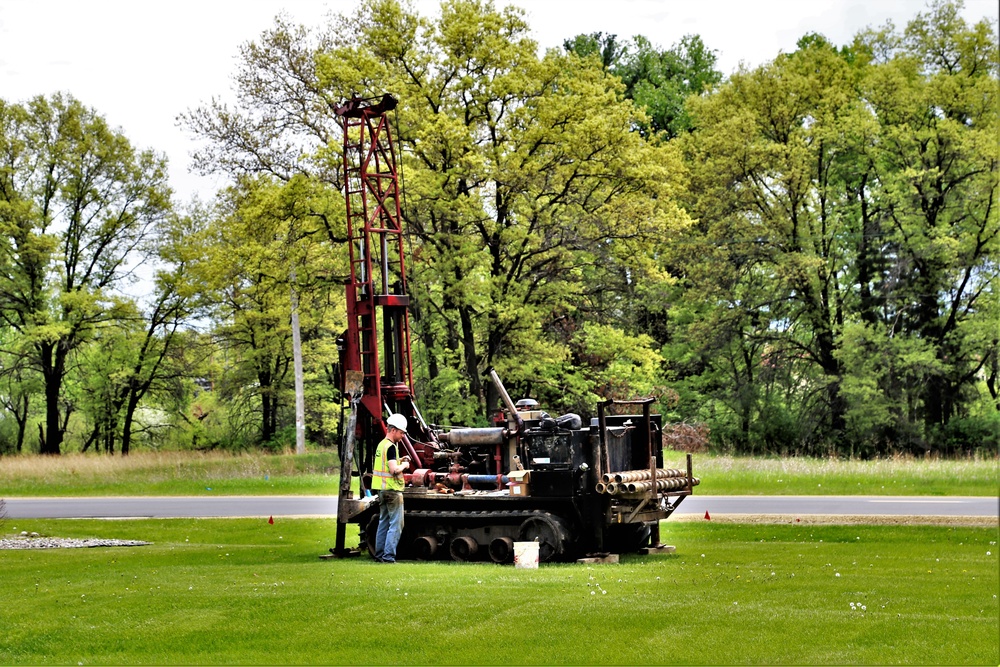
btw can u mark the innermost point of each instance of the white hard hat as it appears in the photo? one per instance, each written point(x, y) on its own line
point(397, 421)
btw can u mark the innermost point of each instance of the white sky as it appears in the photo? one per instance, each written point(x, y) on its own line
point(141, 62)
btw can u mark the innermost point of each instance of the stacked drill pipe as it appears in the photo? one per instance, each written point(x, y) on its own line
point(631, 482)
point(671, 484)
point(640, 475)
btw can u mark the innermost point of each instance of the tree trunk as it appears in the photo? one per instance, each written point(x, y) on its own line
point(267, 431)
point(826, 354)
point(52, 374)
point(130, 407)
point(471, 358)
point(300, 405)
point(746, 394)
point(928, 325)
point(21, 417)
point(867, 256)
point(423, 332)
point(992, 380)
point(109, 441)
point(94, 435)
point(935, 408)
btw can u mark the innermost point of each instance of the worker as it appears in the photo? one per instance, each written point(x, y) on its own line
point(387, 480)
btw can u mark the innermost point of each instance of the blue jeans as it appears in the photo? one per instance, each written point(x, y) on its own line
point(390, 525)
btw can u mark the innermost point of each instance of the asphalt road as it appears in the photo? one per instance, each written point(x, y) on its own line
point(326, 506)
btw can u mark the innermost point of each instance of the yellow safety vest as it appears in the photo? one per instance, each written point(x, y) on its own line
point(382, 479)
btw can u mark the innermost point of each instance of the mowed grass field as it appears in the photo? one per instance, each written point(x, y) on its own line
point(249, 592)
point(316, 473)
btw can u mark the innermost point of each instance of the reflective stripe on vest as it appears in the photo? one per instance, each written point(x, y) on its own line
point(382, 479)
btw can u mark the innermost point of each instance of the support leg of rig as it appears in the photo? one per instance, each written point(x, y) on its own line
point(655, 546)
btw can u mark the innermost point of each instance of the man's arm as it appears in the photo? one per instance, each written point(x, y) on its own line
point(396, 467)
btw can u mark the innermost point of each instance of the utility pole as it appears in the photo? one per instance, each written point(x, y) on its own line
point(300, 399)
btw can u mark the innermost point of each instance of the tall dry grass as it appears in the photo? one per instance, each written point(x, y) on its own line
point(920, 467)
point(100, 466)
point(158, 466)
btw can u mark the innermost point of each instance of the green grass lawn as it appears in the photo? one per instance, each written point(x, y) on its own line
point(316, 473)
point(245, 592)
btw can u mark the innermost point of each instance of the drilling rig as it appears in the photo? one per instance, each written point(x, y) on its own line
point(473, 492)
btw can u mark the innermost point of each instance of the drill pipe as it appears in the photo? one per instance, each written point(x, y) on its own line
point(661, 485)
point(673, 484)
point(643, 475)
point(631, 488)
point(640, 475)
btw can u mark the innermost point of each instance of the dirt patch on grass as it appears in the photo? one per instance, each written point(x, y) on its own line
point(43, 542)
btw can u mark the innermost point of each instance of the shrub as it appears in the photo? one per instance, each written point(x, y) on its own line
point(685, 437)
point(968, 435)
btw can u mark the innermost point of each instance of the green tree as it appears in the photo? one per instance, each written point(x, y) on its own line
point(526, 188)
point(847, 236)
point(128, 359)
point(658, 80)
point(259, 231)
point(18, 384)
point(282, 124)
point(937, 100)
point(78, 207)
point(530, 201)
point(607, 47)
point(283, 133)
point(760, 166)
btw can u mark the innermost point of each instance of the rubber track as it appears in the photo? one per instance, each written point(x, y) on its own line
point(493, 516)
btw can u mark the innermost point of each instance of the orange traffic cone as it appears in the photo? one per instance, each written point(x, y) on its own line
point(271, 520)
point(707, 517)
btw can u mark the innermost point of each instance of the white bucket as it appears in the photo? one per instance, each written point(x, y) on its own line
point(526, 555)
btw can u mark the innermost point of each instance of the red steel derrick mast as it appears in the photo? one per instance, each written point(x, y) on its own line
point(377, 341)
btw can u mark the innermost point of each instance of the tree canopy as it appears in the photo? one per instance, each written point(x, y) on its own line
point(78, 207)
point(848, 236)
point(658, 80)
